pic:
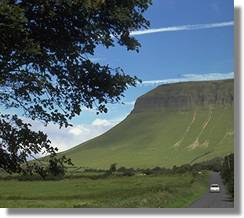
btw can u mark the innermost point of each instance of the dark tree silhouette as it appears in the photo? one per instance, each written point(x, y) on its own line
point(45, 69)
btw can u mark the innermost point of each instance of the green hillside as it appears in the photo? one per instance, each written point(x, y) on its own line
point(171, 125)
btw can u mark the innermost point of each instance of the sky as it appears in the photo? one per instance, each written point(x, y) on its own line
point(187, 40)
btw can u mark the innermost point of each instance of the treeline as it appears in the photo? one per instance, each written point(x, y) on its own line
point(227, 173)
point(212, 165)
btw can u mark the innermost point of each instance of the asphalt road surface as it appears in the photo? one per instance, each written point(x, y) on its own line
point(214, 200)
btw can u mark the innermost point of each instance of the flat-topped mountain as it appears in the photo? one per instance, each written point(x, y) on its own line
point(173, 124)
point(187, 95)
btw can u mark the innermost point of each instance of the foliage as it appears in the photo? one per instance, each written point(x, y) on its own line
point(17, 142)
point(53, 168)
point(123, 171)
point(227, 173)
point(209, 165)
point(56, 166)
point(214, 164)
point(46, 69)
point(112, 168)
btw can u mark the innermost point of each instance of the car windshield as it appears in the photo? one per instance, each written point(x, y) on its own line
point(215, 186)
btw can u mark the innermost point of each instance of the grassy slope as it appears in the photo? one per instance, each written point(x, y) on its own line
point(151, 191)
point(150, 139)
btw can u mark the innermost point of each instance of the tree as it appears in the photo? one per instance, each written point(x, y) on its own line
point(227, 173)
point(46, 70)
point(112, 168)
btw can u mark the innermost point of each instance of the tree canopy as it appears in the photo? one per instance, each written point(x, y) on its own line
point(46, 70)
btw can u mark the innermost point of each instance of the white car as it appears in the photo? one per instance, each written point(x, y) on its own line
point(214, 188)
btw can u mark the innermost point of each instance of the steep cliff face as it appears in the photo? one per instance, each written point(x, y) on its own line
point(183, 96)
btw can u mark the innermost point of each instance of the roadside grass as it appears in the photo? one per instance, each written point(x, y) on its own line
point(154, 191)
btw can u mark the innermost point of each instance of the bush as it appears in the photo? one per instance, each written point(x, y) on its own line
point(129, 172)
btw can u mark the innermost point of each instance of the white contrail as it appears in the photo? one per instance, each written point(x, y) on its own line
point(189, 77)
point(182, 28)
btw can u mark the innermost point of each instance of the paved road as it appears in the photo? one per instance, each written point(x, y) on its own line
point(214, 200)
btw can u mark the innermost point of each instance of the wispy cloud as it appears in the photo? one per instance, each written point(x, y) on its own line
point(209, 76)
point(183, 28)
point(129, 102)
point(190, 77)
point(66, 138)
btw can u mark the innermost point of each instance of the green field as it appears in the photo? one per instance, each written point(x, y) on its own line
point(155, 191)
point(163, 138)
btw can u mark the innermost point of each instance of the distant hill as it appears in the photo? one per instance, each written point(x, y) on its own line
point(171, 125)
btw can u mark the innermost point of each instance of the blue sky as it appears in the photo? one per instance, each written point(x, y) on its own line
point(194, 41)
point(169, 54)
